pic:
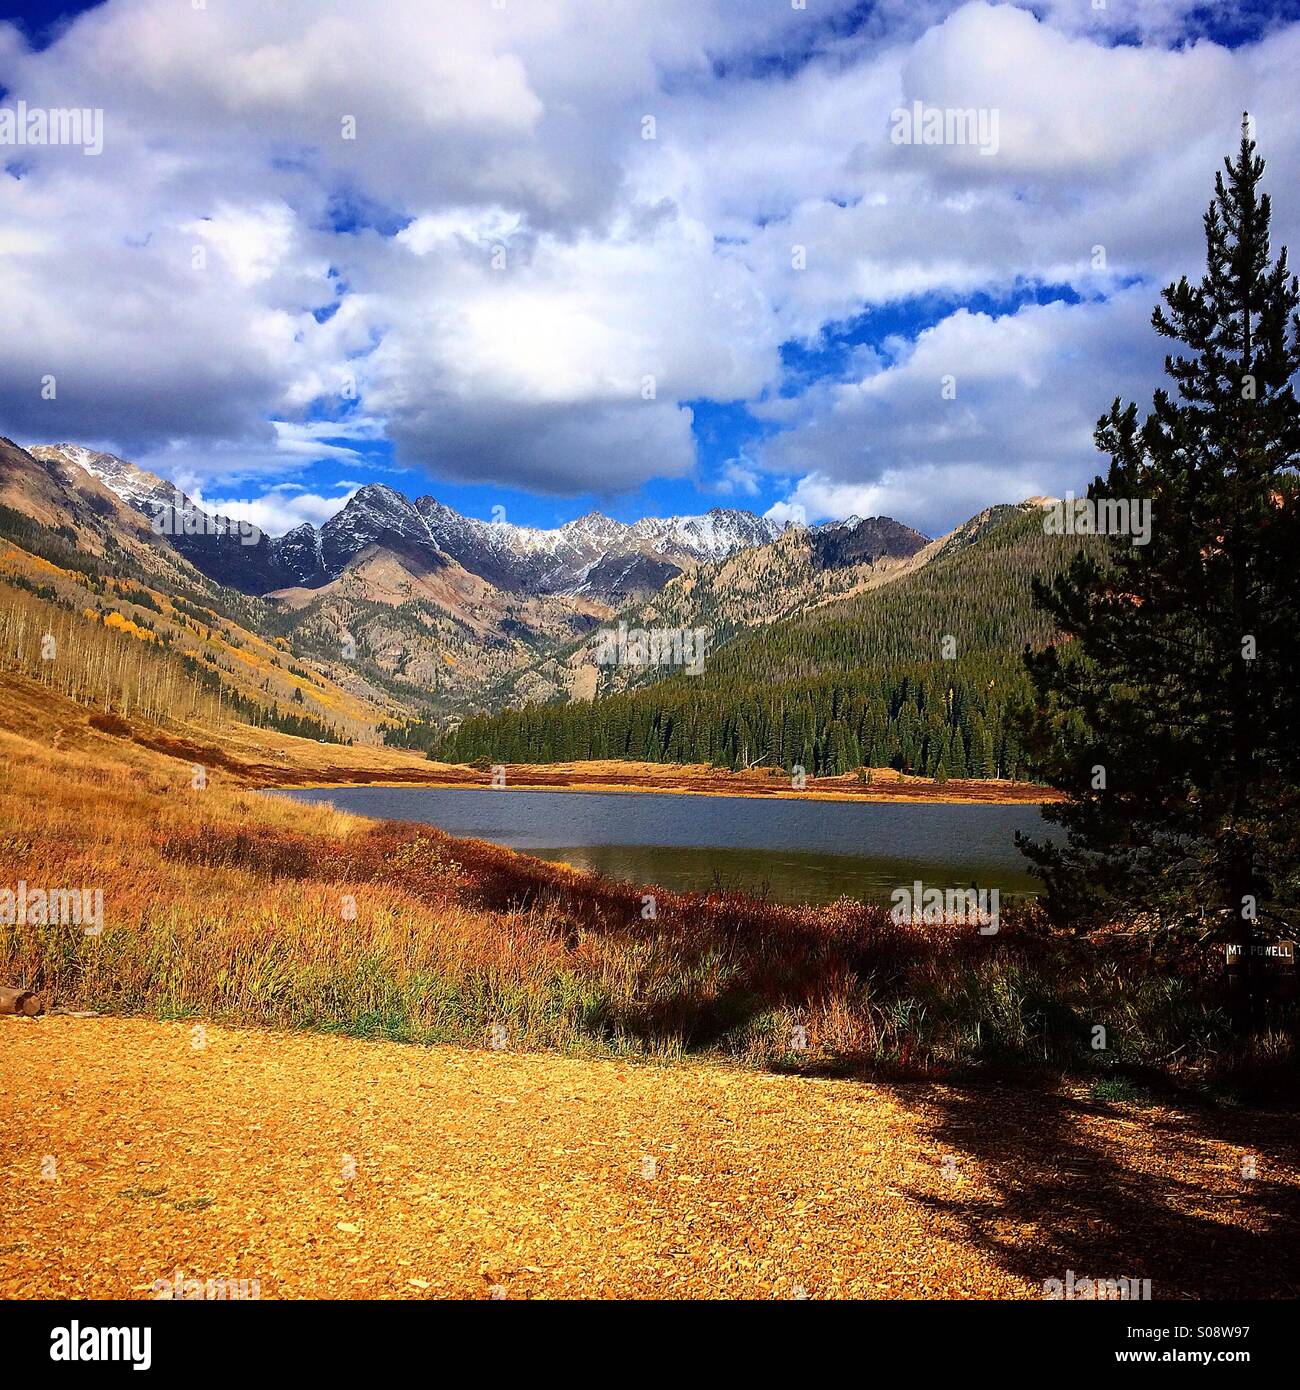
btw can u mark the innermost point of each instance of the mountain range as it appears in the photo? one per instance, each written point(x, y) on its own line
point(401, 612)
point(595, 556)
point(448, 611)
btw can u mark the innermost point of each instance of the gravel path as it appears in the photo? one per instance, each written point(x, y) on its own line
point(328, 1167)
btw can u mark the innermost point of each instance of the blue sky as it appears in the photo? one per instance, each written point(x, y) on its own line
point(648, 259)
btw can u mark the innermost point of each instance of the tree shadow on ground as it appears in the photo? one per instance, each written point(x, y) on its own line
point(1159, 1198)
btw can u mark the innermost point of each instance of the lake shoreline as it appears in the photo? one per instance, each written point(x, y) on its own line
point(624, 779)
point(795, 850)
point(271, 761)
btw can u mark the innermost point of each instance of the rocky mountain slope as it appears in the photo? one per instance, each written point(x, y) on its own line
point(234, 554)
point(95, 604)
point(799, 570)
point(432, 605)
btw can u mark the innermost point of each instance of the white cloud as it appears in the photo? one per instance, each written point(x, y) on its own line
point(738, 477)
point(559, 363)
point(290, 448)
point(638, 274)
point(278, 510)
point(253, 243)
point(979, 410)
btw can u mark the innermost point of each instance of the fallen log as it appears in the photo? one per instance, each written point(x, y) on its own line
point(19, 1001)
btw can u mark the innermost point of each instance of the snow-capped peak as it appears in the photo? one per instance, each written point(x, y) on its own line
point(595, 526)
point(125, 480)
point(718, 533)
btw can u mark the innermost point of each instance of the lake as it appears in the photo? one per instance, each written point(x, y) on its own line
point(794, 851)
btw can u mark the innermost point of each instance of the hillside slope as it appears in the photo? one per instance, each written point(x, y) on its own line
point(918, 673)
point(798, 570)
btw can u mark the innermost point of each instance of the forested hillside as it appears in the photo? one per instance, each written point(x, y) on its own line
point(919, 675)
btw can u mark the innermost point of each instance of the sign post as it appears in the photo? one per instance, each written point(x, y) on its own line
point(1278, 975)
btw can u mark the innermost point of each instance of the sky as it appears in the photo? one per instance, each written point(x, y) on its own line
point(539, 257)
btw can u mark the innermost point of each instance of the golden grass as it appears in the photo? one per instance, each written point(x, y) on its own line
point(277, 760)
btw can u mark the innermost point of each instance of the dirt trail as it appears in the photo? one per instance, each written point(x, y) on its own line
point(329, 1167)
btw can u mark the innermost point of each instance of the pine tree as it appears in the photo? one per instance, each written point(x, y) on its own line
point(1168, 714)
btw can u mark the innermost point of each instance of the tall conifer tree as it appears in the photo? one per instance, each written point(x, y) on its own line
point(1168, 714)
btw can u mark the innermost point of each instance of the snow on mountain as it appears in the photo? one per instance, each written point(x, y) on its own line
point(138, 489)
point(299, 552)
point(234, 553)
point(372, 514)
point(572, 558)
point(593, 555)
point(713, 536)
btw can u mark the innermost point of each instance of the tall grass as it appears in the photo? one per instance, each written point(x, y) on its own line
point(225, 904)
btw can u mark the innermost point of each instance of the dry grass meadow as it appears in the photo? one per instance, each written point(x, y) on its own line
point(226, 903)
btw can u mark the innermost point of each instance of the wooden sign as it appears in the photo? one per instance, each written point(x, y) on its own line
point(1275, 952)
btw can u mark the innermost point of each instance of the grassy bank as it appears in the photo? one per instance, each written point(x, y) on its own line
point(881, 784)
point(223, 903)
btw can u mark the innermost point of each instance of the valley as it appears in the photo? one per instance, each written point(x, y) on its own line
point(264, 967)
point(815, 652)
point(620, 679)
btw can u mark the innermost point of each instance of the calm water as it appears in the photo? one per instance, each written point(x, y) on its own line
point(796, 851)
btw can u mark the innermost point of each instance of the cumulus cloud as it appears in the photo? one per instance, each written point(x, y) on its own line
point(277, 510)
point(738, 478)
point(1099, 146)
point(446, 221)
point(977, 410)
point(230, 257)
point(554, 363)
